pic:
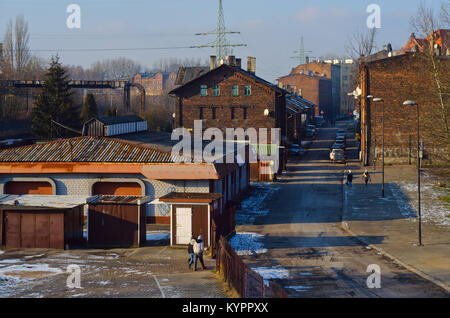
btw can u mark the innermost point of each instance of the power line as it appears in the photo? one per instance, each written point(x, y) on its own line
point(115, 49)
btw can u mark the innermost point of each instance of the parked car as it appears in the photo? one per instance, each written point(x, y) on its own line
point(338, 155)
point(338, 145)
point(319, 121)
point(296, 150)
point(341, 139)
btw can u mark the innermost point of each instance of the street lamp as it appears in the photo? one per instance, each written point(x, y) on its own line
point(378, 100)
point(412, 103)
point(374, 135)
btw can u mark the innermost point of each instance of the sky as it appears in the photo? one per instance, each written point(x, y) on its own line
point(271, 28)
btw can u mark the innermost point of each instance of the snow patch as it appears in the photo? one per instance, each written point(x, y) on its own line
point(268, 273)
point(247, 243)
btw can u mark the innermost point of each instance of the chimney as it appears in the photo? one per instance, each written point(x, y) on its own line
point(239, 63)
point(251, 64)
point(212, 62)
point(307, 59)
point(232, 60)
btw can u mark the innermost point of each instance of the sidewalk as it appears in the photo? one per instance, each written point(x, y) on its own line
point(394, 218)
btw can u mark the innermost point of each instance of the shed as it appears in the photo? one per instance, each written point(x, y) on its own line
point(116, 221)
point(41, 221)
point(191, 215)
point(114, 125)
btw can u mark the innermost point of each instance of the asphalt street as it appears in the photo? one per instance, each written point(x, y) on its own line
point(303, 234)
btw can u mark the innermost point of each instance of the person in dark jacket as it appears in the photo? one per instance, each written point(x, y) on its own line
point(349, 178)
point(198, 250)
point(191, 251)
point(366, 176)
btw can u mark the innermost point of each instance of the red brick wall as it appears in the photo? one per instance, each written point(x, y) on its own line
point(401, 78)
point(262, 97)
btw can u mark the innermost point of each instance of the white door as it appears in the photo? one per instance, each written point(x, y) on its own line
point(184, 225)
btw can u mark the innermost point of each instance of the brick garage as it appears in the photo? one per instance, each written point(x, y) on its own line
point(397, 79)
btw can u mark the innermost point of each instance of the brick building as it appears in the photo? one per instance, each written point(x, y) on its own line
point(315, 89)
point(156, 84)
point(397, 79)
point(441, 39)
point(230, 97)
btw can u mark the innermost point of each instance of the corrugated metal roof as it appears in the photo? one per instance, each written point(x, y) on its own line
point(112, 120)
point(116, 199)
point(42, 201)
point(88, 149)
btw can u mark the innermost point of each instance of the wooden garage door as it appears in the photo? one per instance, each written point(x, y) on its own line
point(34, 229)
point(26, 187)
point(117, 188)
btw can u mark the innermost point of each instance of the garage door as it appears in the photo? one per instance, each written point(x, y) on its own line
point(117, 188)
point(34, 229)
point(25, 187)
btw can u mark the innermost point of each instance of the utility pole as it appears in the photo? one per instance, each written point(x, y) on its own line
point(220, 44)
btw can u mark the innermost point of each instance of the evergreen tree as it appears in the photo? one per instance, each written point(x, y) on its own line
point(55, 103)
point(89, 108)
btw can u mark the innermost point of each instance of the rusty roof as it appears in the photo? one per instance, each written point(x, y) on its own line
point(190, 197)
point(88, 149)
point(116, 199)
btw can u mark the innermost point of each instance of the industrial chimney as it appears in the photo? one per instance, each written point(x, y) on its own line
point(212, 62)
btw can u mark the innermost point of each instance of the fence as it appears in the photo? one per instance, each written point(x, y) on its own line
point(246, 281)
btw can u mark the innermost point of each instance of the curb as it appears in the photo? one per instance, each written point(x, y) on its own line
point(346, 228)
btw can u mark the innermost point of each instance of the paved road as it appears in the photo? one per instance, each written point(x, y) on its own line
point(303, 235)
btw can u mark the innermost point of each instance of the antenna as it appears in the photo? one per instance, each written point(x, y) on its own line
point(222, 46)
point(301, 53)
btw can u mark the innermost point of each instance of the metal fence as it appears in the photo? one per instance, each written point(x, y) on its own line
point(245, 281)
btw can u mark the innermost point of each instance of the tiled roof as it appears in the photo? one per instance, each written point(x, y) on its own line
point(87, 149)
point(187, 74)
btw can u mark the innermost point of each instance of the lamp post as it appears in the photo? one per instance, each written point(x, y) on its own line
point(378, 100)
point(412, 103)
point(374, 135)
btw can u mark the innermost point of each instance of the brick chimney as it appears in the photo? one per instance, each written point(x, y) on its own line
point(212, 62)
point(239, 63)
point(251, 64)
point(232, 60)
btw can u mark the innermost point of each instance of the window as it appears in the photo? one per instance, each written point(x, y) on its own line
point(214, 116)
point(204, 90)
point(201, 112)
point(232, 113)
point(245, 112)
point(216, 90)
point(248, 90)
point(235, 90)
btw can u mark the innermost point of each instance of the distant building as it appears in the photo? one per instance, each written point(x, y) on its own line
point(114, 125)
point(156, 84)
point(349, 79)
point(441, 39)
point(325, 69)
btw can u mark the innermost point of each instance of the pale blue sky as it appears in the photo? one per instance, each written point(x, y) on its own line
point(271, 28)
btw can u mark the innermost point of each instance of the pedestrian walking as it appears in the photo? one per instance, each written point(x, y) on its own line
point(349, 178)
point(366, 176)
point(198, 251)
point(191, 251)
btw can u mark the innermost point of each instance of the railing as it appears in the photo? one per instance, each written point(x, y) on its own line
point(244, 280)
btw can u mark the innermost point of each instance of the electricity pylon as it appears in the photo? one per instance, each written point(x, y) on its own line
point(221, 44)
point(301, 53)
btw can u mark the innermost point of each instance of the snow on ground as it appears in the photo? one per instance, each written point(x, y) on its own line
point(247, 243)
point(300, 288)
point(1, 252)
point(158, 236)
point(432, 208)
point(253, 206)
point(268, 273)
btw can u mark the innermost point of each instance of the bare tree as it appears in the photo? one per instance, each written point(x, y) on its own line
point(425, 22)
point(8, 56)
point(445, 14)
point(22, 50)
point(362, 43)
